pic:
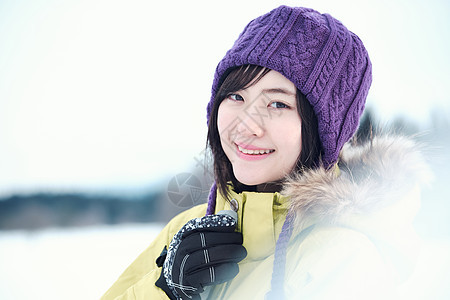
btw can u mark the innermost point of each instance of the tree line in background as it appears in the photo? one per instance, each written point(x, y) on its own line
point(42, 210)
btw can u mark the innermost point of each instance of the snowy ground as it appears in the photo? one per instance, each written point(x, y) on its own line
point(68, 264)
point(83, 263)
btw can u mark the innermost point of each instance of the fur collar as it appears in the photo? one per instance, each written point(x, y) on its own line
point(371, 177)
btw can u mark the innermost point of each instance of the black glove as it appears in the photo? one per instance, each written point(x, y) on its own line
point(205, 251)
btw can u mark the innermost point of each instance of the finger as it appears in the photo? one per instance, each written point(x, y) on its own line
point(204, 258)
point(201, 240)
point(214, 274)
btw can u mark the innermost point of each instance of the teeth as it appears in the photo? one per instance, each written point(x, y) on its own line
point(253, 152)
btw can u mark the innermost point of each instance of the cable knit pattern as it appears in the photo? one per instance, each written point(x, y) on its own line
point(212, 199)
point(324, 60)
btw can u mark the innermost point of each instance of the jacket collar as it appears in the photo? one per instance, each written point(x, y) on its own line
point(262, 221)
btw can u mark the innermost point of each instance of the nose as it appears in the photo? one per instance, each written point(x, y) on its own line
point(248, 124)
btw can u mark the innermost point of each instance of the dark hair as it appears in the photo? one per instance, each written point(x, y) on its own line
point(235, 80)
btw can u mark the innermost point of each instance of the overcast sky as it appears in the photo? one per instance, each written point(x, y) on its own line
point(105, 95)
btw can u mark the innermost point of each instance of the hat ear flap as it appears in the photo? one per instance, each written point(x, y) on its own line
point(212, 199)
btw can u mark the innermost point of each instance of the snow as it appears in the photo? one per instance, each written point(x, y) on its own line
point(83, 263)
point(68, 263)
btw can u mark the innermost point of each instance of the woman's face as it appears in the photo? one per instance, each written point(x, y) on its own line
point(260, 129)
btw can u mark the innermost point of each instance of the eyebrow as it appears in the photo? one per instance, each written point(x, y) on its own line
point(278, 91)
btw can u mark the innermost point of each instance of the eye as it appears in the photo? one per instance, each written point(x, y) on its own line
point(277, 104)
point(235, 97)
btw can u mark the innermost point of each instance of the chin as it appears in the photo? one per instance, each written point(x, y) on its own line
point(250, 183)
point(255, 178)
point(250, 180)
point(247, 180)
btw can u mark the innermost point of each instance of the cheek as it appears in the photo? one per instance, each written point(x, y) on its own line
point(224, 120)
point(293, 148)
point(296, 149)
point(290, 139)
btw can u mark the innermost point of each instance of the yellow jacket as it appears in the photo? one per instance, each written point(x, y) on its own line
point(352, 236)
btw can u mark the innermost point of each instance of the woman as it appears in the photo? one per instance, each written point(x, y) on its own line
point(316, 219)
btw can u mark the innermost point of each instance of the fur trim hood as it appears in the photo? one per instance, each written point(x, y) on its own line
point(374, 190)
point(369, 178)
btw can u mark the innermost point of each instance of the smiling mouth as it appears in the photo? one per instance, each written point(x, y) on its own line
point(254, 152)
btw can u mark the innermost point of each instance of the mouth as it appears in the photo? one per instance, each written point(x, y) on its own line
point(254, 151)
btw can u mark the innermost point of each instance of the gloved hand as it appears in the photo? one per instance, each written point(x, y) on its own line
point(205, 251)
